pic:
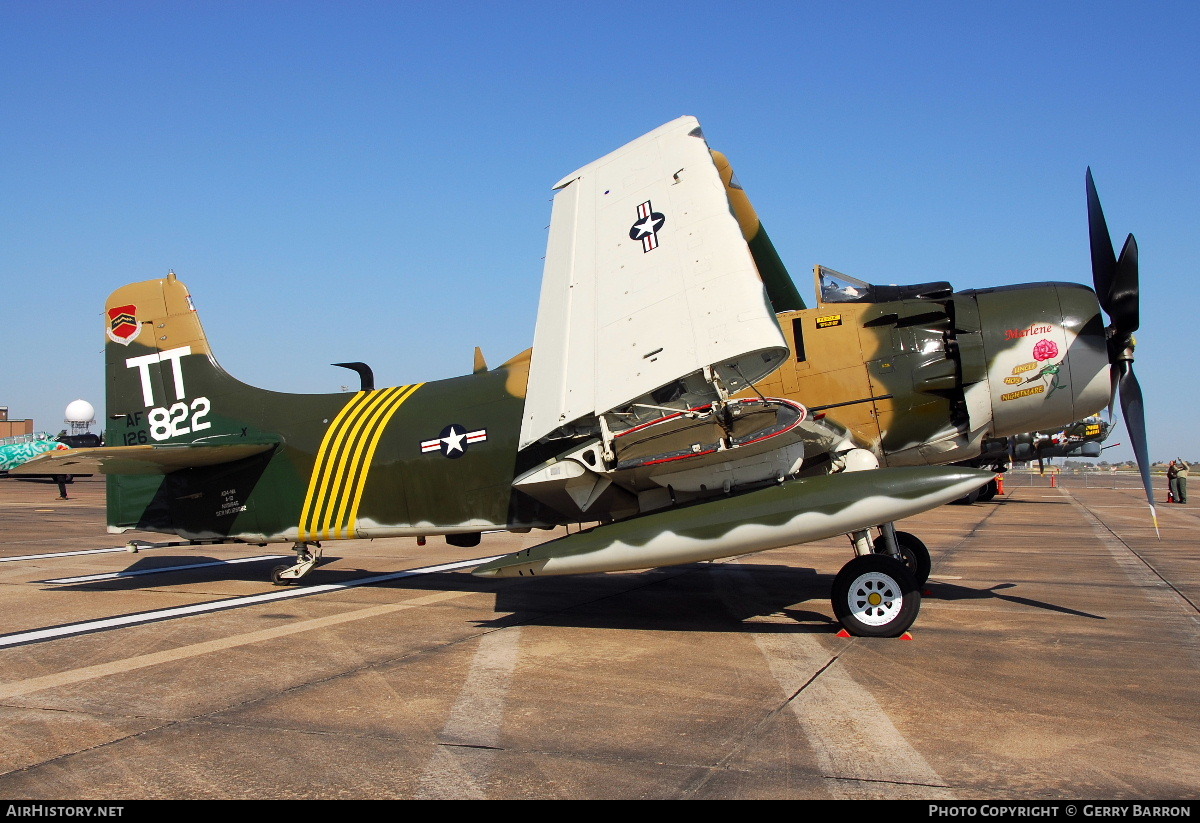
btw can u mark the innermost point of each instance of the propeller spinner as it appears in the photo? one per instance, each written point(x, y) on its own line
point(1116, 282)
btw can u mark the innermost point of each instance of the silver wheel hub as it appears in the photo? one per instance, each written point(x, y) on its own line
point(875, 599)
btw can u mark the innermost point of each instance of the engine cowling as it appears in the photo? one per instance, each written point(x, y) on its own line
point(1046, 362)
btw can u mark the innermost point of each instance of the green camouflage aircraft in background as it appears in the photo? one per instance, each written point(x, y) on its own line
point(19, 449)
point(641, 409)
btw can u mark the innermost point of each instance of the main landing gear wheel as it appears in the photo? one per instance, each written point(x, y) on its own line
point(989, 491)
point(875, 596)
point(277, 577)
point(913, 554)
point(968, 499)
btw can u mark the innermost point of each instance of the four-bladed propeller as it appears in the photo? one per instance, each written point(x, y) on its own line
point(1116, 283)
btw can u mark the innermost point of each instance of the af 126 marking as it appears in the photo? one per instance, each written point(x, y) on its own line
point(175, 420)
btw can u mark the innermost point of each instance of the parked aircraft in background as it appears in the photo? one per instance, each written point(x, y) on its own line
point(20, 449)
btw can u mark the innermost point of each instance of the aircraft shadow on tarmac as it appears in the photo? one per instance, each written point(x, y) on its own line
point(1011, 502)
point(164, 570)
point(695, 597)
point(951, 591)
point(712, 602)
point(700, 597)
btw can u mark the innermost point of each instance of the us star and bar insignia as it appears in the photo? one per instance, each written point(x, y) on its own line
point(648, 224)
point(453, 441)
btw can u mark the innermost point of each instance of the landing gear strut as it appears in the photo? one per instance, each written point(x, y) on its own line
point(909, 550)
point(305, 561)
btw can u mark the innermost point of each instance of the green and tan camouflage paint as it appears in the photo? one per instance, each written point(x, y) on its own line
point(926, 380)
point(339, 465)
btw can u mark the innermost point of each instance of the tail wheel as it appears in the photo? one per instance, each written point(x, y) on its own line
point(875, 596)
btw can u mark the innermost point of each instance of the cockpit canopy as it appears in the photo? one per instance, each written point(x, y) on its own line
point(835, 287)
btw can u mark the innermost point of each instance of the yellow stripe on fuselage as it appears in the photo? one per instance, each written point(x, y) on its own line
point(343, 462)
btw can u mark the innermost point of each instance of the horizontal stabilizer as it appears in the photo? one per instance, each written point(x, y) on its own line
point(138, 459)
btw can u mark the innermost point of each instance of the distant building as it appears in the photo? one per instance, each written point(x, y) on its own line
point(11, 428)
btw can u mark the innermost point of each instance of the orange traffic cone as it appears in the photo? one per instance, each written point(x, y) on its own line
point(1054, 481)
point(1170, 496)
point(999, 484)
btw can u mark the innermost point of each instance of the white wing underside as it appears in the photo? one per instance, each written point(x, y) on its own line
point(647, 279)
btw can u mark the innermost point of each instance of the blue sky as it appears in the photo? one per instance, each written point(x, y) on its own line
point(371, 181)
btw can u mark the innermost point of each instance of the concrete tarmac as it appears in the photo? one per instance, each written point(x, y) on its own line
point(1056, 656)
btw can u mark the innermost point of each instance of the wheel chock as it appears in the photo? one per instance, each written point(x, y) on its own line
point(844, 633)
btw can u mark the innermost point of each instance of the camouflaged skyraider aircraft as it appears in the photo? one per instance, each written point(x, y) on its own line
point(652, 316)
point(1080, 439)
point(924, 375)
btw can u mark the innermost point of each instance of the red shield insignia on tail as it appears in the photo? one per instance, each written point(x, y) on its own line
point(123, 326)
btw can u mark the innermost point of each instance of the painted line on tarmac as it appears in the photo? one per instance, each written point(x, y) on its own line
point(141, 546)
point(125, 665)
point(1162, 593)
point(860, 752)
point(462, 763)
point(67, 554)
point(138, 618)
point(90, 578)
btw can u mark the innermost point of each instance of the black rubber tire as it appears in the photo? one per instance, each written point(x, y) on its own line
point(988, 492)
point(281, 581)
point(875, 596)
point(967, 499)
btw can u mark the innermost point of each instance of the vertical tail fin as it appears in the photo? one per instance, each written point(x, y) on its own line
point(151, 327)
point(164, 388)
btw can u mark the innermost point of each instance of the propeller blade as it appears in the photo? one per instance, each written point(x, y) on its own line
point(1104, 262)
point(1123, 297)
point(1116, 283)
point(1114, 380)
point(1135, 424)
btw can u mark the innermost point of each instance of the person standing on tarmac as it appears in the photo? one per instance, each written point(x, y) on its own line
point(1177, 474)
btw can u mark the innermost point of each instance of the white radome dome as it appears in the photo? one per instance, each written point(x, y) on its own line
point(80, 411)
